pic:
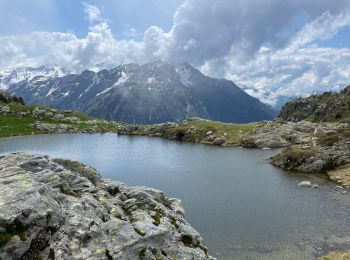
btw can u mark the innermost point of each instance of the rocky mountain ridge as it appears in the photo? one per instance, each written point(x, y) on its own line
point(151, 93)
point(10, 77)
point(325, 107)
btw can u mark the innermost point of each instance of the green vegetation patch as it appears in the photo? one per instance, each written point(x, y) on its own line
point(187, 240)
point(138, 231)
point(196, 131)
point(298, 153)
point(157, 217)
point(292, 157)
point(332, 138)
point(9, 230)
point(14, 126)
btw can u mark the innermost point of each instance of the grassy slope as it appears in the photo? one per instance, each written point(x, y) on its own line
point(13, 125)
point(195, 130)
point(234, 132)
point(343, 255)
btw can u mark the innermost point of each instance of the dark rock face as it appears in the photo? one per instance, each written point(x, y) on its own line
point(6, 98)
point(151, 93)
point(61, 209)
point(326, 107)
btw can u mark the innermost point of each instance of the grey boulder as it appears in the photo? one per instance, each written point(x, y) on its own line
point(60, 209)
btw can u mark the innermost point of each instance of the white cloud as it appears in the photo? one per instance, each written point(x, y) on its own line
point(298, 69)
point(292, 72)
point(93, 13)
point(322, 28)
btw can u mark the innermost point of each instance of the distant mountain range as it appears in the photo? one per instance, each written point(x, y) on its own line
point(144, 94)
point(10, 77)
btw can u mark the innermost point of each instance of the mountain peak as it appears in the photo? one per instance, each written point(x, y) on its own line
point(150, 93)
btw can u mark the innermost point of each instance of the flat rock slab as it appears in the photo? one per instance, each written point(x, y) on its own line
point(60, 209)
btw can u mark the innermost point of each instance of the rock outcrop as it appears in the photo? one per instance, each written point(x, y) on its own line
point(6, 98)
point(318, 108)
point(60, 209)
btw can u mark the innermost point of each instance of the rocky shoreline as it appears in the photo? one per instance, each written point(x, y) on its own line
point(309, 147)
point(55, 208)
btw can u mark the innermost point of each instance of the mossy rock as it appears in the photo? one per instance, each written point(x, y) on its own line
point(333, 138)
point(9, 230)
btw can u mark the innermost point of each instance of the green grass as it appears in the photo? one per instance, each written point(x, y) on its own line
point(333, 138)
point(295, 156)
point(234, 132)
point(13, 125)
point(298, 153)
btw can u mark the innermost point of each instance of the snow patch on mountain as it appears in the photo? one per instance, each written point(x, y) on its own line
point(51, 91)
point(185, 75)
point(95, 81)
point(151, 80)
point(104, 91)
point(124, 77)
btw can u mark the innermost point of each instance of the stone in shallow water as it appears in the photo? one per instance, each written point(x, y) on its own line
point(305, 184)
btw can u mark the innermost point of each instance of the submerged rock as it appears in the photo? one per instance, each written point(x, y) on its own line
point(54, 208)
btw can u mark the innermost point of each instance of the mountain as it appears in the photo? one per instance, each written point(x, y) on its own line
point(151, 93)
point(10, 77)
point(326, 107)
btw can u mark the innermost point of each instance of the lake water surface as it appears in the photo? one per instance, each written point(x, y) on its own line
point(243, 207)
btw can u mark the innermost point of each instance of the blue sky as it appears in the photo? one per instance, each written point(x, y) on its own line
point(276, 48)
point(69, 16)
point(340, 39)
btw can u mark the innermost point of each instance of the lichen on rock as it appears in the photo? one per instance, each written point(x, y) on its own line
point(54, 208)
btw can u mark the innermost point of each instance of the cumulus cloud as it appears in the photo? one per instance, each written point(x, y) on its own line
point(298, 69)
point(291, 72)
point(205, 30)
point(270, 46)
